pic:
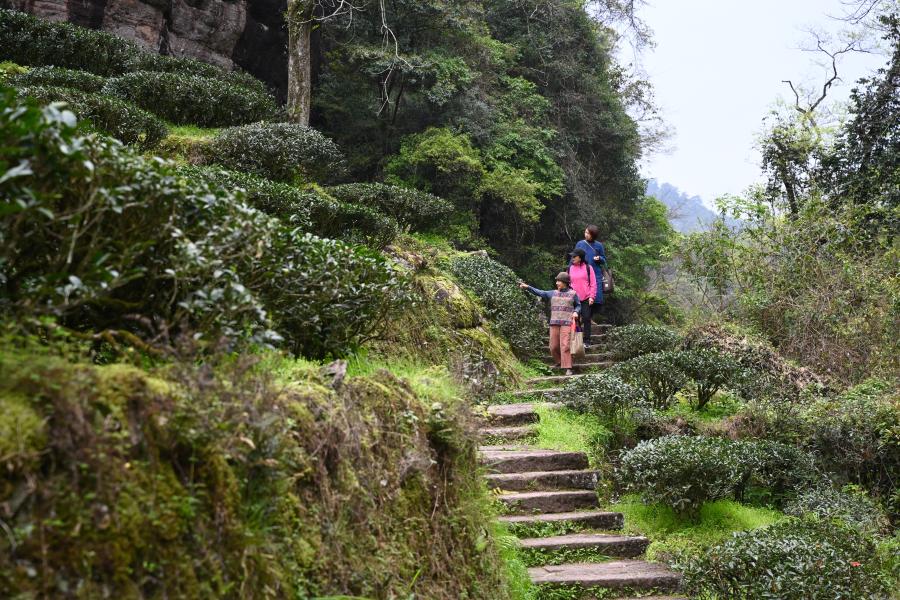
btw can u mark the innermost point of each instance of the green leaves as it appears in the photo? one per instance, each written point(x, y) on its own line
point(683, 472)
point(112, 116)
point(514, 313)
point(629, 341)
point(93, 234)
point(283, 152)
point(193, 99)
point(795, 559)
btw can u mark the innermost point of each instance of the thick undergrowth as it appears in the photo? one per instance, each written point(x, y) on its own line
point(236, 480)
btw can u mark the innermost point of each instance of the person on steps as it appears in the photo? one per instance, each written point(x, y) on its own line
point(584, 282)
point(595, 256)
point(564, 306)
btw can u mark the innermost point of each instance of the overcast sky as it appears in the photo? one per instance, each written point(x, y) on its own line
point(717, 70)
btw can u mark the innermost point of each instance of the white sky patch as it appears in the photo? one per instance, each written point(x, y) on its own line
point(717, 70)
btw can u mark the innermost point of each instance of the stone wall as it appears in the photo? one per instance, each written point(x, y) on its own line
point(249, 34)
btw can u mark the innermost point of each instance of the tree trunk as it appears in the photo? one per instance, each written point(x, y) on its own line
point(299, 61)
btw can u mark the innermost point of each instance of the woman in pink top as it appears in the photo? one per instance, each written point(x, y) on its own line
point(584, 282)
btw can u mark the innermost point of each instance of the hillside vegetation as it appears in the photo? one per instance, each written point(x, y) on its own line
point(246, 358)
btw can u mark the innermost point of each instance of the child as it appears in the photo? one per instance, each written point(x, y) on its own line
point(564, 306)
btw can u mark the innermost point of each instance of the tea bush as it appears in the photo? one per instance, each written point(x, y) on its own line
point(773, 470)
point(657, 374)
point(856, 436)
point(175, 251)
point(630, 341)
point(710, 370)
point(192, 99)
point(681, 472)
point(33, 41)
point(412, 208)
point(308, 210)
point(603, 394)
point(792, 560)
point(117, 215)
point(278, 151)
point(112, 116)
point(514, 313)
point(59, 77)
point(853, 507)
point(29, 40)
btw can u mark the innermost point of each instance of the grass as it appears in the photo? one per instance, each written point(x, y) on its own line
point(430, 382)
point(520, 586)
point(672, 534)
point(567, 430)
point(192, 131)
point(721, 406)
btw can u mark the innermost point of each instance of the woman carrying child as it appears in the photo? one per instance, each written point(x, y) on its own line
point(564, 306)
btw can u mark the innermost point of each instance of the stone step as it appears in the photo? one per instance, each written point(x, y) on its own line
point(536, 392)
point(551, 379)
point(587, 360)
point(525, 461)
point(581, 368)
point(507, 415)
point(626, 546)
point(657, 598)
point(508, 433)
point(549, 502)
point(545, 480)
point(614, 574)
point(594, 519)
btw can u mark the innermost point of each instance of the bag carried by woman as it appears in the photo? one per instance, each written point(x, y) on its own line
point(576, 341)
point(608, 284)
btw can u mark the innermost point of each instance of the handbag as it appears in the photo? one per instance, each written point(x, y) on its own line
point(608, 283)
point(576, 341)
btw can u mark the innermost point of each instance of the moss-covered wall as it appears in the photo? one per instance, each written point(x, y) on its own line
point(222, 482)
point(445, 324)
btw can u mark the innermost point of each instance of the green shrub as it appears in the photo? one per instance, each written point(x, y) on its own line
point(118, 118)
point(140, 240)
point(856, 436)
point(59, 77)
point(308, 210)
point(192, 99)
point(630, 341)
point(773, 470)
point(278, 151)
point(513, 312)
point(602, 394)
point(791, 560)
point(853, 507)
point(412, 208)
point(30, 40)
point(658, 375)
point(710, 370)
point(681, 472)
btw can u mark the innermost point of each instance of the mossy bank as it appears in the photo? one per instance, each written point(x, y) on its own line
point(257, 478)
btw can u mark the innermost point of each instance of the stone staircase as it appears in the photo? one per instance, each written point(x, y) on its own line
point(551, 505)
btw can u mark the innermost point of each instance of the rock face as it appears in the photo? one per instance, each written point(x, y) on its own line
point(249, 34)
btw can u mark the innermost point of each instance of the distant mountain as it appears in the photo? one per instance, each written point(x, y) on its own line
point(686, 213)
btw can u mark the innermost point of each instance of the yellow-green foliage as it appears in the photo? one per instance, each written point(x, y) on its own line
point(186, 143)
point(445, 325)
point(673, 535)
point(226, 481)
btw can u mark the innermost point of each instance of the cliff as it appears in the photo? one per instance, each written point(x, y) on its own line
point(249, 34)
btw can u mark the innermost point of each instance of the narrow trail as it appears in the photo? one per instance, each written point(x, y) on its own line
point(552, 504)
